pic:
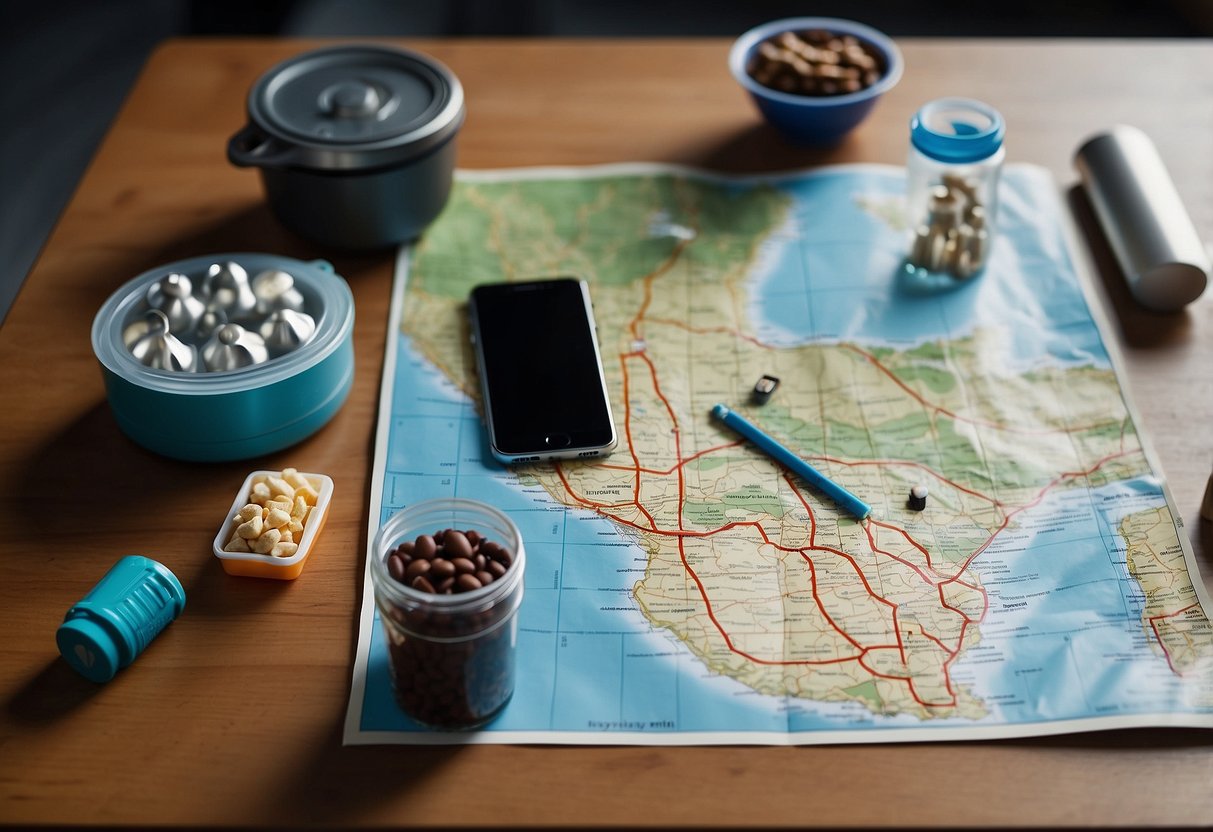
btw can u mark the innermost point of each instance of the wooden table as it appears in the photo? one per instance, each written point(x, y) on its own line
point(233, 715)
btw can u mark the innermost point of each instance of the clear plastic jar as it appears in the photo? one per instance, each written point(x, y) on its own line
point(452, 656)
point(955, 159)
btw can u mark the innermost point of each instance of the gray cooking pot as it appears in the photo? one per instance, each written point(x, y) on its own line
point(356, 144)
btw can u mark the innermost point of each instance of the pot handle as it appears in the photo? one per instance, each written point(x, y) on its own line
point(251, 148)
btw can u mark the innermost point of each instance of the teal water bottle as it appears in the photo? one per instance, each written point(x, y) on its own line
point(108, 628)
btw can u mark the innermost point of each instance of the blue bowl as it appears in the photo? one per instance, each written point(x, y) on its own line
point(808, 119)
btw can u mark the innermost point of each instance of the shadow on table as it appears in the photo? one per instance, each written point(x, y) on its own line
point(759, 148)
point(135, 481)
point(339, 783)
point(252, 228)
point(131, 478)
point(255, 229)
point(1140, 327)
point(1124, 739)
point(1204, 533)
point(52, 693)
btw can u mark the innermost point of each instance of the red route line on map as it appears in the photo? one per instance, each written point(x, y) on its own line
point(876, 596)
point(952, 652)
point(914, 394)
point(682, 534)
point(627, 427)
point(908, 679)
point(714, 330)
point(900, 463)
point(938, 581)
point(680, 464)
point(1035, 501)
point(1154, 619)
point(874, 361)
point(679, 468)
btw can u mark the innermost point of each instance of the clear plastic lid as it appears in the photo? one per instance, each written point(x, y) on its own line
point(324, 292)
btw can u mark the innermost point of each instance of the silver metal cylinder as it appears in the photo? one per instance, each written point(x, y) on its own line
point(1147, 226)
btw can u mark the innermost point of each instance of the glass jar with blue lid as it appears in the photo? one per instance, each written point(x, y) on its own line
point(956, 155)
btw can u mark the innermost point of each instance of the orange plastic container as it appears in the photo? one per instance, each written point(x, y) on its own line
point(256, 565)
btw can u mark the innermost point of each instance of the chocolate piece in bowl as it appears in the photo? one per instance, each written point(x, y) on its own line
point(815, 79)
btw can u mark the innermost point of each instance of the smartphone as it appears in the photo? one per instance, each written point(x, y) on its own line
point(536, 348)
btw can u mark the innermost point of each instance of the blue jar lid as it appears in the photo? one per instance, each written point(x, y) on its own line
point(957, 130)
point(89, 648)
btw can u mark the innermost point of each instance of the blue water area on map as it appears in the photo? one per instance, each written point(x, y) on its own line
point(1067, 616)
point(585, 654)
point(1063, 636)
point(1063, 633)
point(826, 275)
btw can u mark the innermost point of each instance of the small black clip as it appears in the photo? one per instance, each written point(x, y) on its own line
point(763, 389)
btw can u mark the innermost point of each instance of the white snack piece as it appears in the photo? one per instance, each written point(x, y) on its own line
point(275, 516)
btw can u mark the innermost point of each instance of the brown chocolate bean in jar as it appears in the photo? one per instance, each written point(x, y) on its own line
point(451, 628)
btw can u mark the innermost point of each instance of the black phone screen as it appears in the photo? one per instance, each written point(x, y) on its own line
point(541, 371)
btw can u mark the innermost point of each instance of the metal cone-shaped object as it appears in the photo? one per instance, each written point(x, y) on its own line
point(138, 329)
point(210, 321)
point(275, 289)
point(158, 348)
point(286, 329)
point(173, 295)
point(232, 347)
point(228, 290)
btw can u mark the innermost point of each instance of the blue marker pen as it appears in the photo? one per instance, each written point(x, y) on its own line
point(855, 506)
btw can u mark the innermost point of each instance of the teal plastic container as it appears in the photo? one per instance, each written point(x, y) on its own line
point(234, 414)
point(119, 617)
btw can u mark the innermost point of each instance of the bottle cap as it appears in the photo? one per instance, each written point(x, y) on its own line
point(957, 130)
point(111, 625)
point(89, 648)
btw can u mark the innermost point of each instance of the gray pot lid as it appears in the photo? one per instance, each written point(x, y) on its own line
point(349, 107)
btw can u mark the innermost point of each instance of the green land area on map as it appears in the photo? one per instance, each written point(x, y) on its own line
point(758, 575)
